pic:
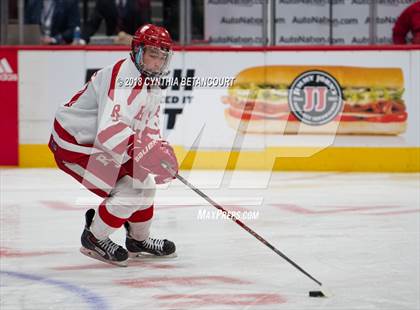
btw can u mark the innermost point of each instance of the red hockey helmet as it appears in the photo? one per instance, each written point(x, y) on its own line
point(156, 40)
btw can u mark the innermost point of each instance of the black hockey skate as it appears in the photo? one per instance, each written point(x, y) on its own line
point(148, 248)
point(103, 250)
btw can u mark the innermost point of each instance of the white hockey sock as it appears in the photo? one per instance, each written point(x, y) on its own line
point(141, 230)
point(140, 222)
point(100, 229)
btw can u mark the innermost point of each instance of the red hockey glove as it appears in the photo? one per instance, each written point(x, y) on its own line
point(168, 158)
point(150, 153)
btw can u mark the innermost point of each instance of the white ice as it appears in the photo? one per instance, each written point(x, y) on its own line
point(357, 233)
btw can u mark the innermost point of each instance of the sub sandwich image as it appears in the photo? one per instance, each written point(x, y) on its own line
point(372, 103)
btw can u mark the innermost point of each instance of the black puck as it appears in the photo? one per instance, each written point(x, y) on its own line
point(316, 294)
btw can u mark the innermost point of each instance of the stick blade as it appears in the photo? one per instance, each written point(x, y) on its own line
point(316, 294)
point(321, 293)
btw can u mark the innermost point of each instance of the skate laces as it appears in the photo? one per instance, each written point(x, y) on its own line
point(154, 244)
point(108, 245)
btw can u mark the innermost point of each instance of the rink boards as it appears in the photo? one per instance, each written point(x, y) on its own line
point(39, 79)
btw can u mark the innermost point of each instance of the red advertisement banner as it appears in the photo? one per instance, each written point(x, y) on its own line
point(9, 107)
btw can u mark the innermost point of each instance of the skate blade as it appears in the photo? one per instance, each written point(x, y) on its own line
point(142, 256)
point(93, 254)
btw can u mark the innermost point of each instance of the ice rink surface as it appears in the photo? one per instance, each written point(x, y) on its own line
point(356, 233)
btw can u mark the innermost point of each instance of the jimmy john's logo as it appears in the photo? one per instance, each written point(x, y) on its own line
point(315, 98)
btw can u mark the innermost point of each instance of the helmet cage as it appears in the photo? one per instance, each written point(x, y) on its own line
point(138, 54)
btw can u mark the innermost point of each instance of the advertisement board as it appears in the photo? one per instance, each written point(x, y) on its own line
point(378, 107)
point(397, 127)
point(233, 22)
point(302, 22)
point(9, 107)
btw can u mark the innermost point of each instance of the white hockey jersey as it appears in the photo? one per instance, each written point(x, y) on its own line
point(107, 114)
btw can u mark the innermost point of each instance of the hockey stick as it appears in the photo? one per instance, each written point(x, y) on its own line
point(249, 230)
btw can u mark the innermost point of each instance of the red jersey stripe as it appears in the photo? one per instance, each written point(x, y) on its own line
point(66, 136)
point(110, 131)
point(89, 186)
point(124, 145)
point(136, 90)
point(114, 75)
point(64, 154)
point(150, 131)
point(77, 95)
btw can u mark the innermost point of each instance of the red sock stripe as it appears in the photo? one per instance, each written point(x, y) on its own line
point(141, 215)
point(110, 219)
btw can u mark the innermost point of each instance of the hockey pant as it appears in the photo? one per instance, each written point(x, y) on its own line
point(126, 198)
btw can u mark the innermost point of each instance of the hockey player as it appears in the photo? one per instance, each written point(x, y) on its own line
point(107, 137)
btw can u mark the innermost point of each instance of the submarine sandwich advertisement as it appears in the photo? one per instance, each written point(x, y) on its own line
point(317, 100)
